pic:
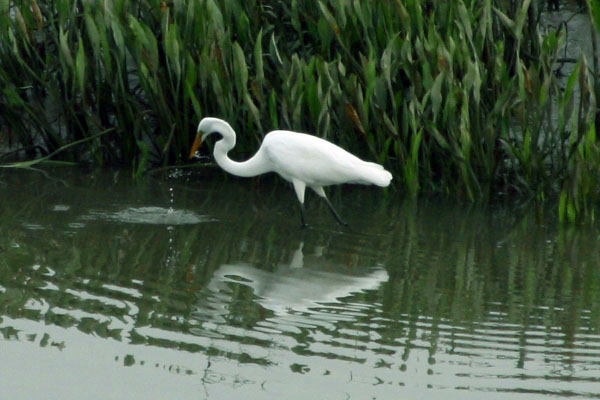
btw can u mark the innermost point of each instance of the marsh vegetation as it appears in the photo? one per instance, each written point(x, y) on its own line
point(463, 98)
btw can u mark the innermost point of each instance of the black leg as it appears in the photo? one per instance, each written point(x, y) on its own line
point(302, 218)
point(335, 214)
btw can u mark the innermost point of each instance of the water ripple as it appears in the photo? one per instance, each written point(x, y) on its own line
point(150, 215)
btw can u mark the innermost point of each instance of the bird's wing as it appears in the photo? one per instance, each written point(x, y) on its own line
point(314, 161)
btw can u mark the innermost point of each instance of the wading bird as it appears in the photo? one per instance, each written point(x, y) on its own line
point(302, 159)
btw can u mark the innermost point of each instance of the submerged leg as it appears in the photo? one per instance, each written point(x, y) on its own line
point(319, 190)
point(299, 187)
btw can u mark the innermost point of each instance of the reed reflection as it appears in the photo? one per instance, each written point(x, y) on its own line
point(428, 294)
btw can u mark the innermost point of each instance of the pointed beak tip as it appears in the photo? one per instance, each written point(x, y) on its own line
point(196, 144)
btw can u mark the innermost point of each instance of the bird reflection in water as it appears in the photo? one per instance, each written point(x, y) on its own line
point(305, 292)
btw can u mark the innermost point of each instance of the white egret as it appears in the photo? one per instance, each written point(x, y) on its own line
point(302, 159)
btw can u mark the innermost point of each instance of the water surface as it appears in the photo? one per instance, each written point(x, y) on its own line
point(192, 286)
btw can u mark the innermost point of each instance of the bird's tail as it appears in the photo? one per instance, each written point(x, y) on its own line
point(377, 175)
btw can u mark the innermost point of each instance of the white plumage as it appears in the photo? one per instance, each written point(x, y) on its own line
point(302, 159)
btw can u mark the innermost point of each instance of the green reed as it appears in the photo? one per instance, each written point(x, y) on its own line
point(453, 97)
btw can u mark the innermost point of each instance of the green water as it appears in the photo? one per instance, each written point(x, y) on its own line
point(198, 287)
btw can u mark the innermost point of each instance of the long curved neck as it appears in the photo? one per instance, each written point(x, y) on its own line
point(256, 165)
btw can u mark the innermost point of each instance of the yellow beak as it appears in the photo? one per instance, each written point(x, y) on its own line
point(196, 144)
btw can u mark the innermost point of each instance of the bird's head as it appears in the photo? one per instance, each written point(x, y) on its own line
point(206, 127)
